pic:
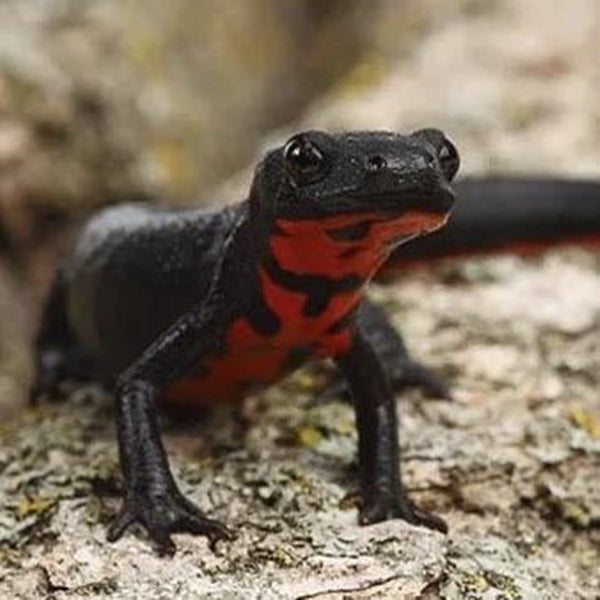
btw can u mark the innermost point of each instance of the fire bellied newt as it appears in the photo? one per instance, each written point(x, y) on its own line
point(193, 306)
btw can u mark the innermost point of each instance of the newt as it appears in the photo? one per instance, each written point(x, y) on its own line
point(194, 306)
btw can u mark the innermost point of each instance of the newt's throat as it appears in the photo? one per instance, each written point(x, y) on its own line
point(352, 244)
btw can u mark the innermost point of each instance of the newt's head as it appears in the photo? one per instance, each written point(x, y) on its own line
point(364, 175)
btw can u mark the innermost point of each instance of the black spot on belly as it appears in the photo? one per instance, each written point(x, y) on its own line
point(350, 233)
point(261, 318)
point(318, 289)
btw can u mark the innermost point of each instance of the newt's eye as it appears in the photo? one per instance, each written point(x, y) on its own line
point(449, 160)
point(304, 160)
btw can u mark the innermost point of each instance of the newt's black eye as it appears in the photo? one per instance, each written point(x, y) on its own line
point(449, 160)
point(304, 159)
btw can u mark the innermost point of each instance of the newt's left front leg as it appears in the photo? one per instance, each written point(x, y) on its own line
point(152, 498)
point(382, 491)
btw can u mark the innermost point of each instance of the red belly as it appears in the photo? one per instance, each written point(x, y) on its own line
point(253, 360)
point(230, 378)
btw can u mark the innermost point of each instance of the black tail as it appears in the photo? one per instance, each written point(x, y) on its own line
point(511, 214)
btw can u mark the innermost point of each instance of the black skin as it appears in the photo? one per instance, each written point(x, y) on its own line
point(401, 370)
point(383, 494)
point(149, 296)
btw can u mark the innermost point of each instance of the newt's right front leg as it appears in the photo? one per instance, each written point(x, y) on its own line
point(152, 498)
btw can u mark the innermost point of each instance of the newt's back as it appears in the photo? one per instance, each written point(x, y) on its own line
point(135, 269)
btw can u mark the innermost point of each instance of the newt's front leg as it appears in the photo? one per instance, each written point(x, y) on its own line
point(382, 491)
point(152, 498)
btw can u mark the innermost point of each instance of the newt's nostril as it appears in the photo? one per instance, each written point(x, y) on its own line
point(376, 163)
point(430, 158)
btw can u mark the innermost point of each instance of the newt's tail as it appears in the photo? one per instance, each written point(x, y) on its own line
point(510, 214)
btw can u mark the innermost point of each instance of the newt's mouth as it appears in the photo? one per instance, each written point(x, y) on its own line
point(410, 225)
point(425, 223)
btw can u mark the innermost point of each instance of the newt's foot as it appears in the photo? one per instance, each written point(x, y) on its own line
point(405, 374)
point(401, 370)
point(55, 365)
point(47, 377)
point(382, 509)
point(413, 374)
point(162, 514)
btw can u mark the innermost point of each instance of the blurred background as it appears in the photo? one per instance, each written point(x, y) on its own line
point(110, 100)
